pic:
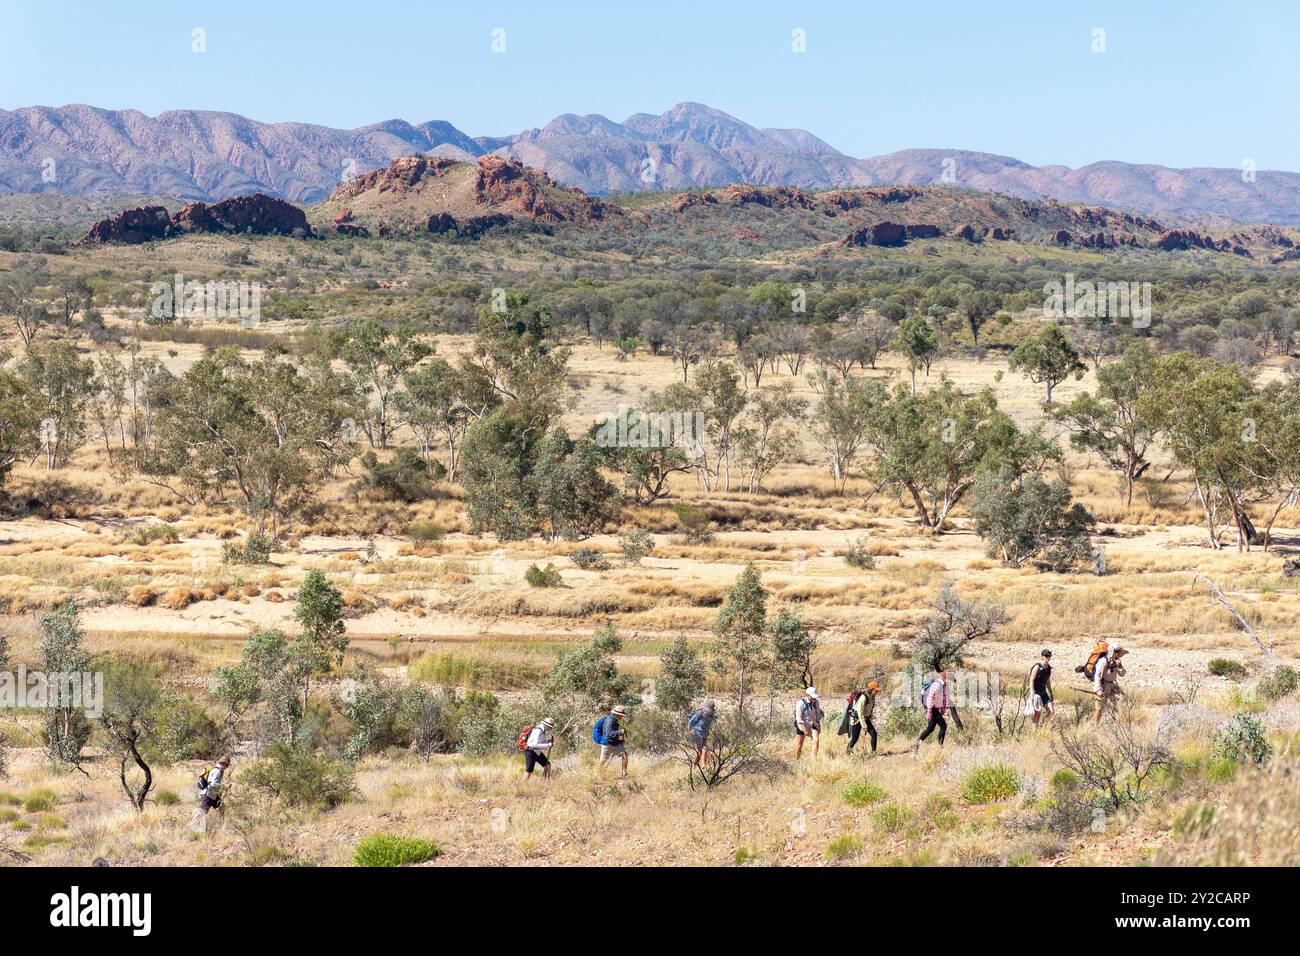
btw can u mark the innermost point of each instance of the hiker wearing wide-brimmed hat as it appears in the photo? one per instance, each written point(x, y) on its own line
point(808, 721)
point(1105, 682)
point(536, 749)
point(611, 736)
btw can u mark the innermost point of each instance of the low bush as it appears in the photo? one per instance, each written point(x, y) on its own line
point(843, 847)
point(864, 793)
point(1223, 667)
point(589, 559)
point(255, 550)
point(858, 556)
point(1243, 740)
point(547, 577)
point(1281, 683)
point(990, 783)
point(383, 849)
point(298, 778)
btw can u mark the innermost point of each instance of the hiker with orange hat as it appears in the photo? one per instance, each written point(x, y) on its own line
point(862, 708)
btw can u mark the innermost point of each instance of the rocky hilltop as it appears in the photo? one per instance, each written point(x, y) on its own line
point(256, 215)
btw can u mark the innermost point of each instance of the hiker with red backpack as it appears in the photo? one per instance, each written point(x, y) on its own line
point(609, 733)
point(861, 707)
point(536, 741)
point(936, 699)
point(698, 727)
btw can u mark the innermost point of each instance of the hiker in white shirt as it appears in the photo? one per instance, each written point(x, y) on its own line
point(1105, 681)
point(539, 743)
point(210, 793)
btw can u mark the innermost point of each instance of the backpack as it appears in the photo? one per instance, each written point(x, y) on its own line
point(697, 717)
point(1089, 670)
point(925, 689)
point(524, 735)
point(597, 733)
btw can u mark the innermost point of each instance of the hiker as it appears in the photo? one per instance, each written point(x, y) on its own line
point(937, 700)
point(210, 785)
point(1040, 683)
point(1105, 682)
point(861, 710)
point(609, 733)
point(808, 721)
point(698, 728)
point(536, 745)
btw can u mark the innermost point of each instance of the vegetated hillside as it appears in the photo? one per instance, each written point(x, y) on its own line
point(418, 195)
point(197, 154)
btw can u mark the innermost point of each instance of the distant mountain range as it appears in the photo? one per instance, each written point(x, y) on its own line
point(195, 154)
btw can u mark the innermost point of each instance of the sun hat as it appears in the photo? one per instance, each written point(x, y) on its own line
point(811, 692)
point(618, 711)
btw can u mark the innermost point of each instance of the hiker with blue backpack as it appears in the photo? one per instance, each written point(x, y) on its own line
point(808, 721)
point(936, 699)
point(698, 727)
point(609, 733)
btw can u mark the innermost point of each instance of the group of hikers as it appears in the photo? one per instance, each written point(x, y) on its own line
point(1103, 669)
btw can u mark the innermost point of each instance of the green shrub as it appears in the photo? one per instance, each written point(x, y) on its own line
point(405, 477)
point(990, 783)
point(1280, 683)
point(12, 799)
point(864, 793)
point(546, 577)
point(745, 857)
point(892, 817)
point(167, 798)
point(298, 778)
point(857, 556)
point(1064, 779)
point(843, 847)
point(149, 533)
point(484, 727)
point(255, 550)
point(1223, 667)
point(905, 722)
point(655, 731)
point(9, 815)
point(1242, 740)
point(40, 800)
point(635, 545)
point(426, 532)
point(589, 559)
point(693, 522)
point(383, 849)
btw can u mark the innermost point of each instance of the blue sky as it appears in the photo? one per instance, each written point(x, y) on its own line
point(1182, 84)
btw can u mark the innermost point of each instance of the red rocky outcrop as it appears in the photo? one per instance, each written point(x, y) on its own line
point(133, 226)
point(257, 214)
